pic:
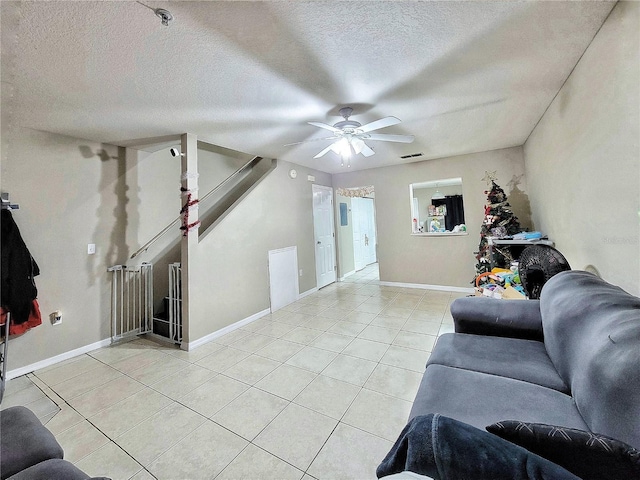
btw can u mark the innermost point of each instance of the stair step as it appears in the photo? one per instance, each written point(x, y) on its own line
point(160, 327)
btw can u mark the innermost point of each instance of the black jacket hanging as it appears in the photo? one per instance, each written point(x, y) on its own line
point(18, 271)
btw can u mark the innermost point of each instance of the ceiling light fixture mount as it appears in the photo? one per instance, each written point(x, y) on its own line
point(163, 14)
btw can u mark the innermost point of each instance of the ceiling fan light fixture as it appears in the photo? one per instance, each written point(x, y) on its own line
point(344, 147)
point(350, 136)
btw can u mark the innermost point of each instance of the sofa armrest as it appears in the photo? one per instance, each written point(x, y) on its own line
point(24, 441)
point(498, 318)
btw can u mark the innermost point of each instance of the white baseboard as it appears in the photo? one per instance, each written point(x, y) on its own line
point(188, 346)
point(58, 358)
point(425, 286)
point(348, 274)
point(308, 292)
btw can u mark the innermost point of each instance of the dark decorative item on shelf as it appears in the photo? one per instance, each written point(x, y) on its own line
point(498, 217)
point(538, 263)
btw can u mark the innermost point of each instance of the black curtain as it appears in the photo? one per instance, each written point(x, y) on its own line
point(455, 210)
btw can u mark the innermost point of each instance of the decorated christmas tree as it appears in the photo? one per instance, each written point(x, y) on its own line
point(499, 221)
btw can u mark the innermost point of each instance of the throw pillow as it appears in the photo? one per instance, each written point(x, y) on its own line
point(446, 449)
point(588, 455)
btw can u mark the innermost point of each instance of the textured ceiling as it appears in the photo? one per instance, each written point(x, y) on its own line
point(462, 76)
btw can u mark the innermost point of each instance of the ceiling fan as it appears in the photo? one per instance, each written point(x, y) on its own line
point(350, 135)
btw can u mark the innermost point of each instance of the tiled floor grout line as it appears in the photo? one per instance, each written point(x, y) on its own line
point(334, 298)
point(250, 442)
point(339, 421)
point(68, 405)
point(113, 440)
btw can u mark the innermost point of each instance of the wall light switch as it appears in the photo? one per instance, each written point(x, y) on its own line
point(311, 178)
point(91, 248)
point(300, 272)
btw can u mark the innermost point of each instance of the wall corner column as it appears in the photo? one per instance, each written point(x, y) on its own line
point(189, 243)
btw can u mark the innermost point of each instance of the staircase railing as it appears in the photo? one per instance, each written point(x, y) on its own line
point(244, 167)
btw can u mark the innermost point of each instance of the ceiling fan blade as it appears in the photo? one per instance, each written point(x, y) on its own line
point(358, 145)
point(366, 151)
point(326, 150)
point(312, 140)
point(390, 138)
point(325, 126)
point(383, 122)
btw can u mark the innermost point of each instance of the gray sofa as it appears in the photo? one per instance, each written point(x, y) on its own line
point(570, 359)
point(28, 451)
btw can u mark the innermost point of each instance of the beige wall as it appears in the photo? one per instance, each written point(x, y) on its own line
point(157, 203)
point(230, 281)
point(447, 261)
point(71, 192)
point(583, 159)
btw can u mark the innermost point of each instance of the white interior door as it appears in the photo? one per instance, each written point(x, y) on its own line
point(283, 277)
point(370, 233)
point(364, 232)
point(324, 235)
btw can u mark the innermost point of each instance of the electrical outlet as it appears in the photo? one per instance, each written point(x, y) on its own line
point(56, 317)
point(91, 248)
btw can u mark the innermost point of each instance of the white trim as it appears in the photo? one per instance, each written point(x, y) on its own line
point(307, 293)
point(57, 359)
point(348, 274)
point(284, 249)
point(188, 346)
point(425, 286)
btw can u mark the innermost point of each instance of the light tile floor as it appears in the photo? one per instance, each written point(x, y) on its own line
point(317, 390)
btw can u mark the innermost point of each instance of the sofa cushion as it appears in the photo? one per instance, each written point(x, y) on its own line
point(24, 441)
point(481, 399)
point(592, 335)
point(445, 448)
point(525, 360)
point(588, 455)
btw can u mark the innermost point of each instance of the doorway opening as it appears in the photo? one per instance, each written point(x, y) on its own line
point(357, 234)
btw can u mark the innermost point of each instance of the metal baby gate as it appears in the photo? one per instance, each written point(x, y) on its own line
point(175, 302)
point(131, 300)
